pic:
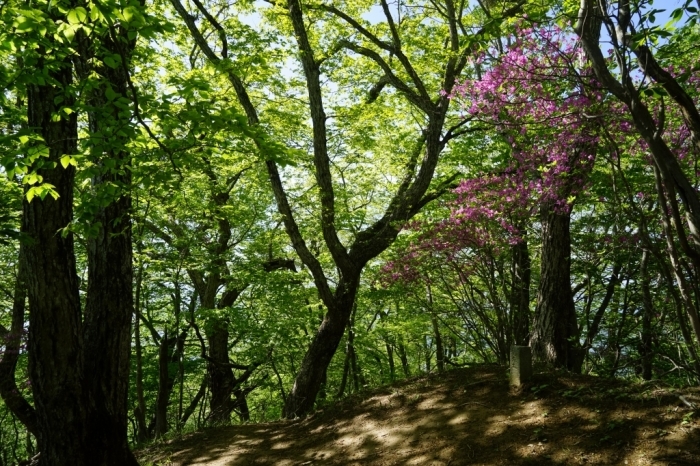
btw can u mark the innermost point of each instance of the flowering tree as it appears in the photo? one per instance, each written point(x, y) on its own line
point(542, 105)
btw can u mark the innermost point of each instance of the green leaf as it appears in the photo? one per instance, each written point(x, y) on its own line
point(68, 160)
point(94, 13)
point(110, 94)
point(32, 178)
point(109, 61)
point(77, 15)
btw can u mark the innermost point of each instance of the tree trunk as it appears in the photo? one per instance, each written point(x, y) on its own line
point(352, 354)
point(241, 404)
point(140, 409)
point(555, 334)
point(55, 339)
point(401, 349)
point(163, 395)
point(12, 341)
point(221, 379)
point(195, 401)
point(645, 345)
point(308, 381)
point(346, 369)
point(428, 355)
point(109, 306)
point(79, 369)
point(390, 357)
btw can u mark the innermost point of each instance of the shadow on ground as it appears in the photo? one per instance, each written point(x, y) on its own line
point(466, 417)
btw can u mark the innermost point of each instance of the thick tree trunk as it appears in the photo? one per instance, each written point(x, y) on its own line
point(109, 306)
point(107, 329)
point(55, 339)
point(520, 293)
point(221, 379)
point(302, 397)
point(555, 333)
point(79, 370)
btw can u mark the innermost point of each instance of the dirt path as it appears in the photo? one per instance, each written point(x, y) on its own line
point(466, 417)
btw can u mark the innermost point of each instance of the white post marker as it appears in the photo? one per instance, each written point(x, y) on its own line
point(520, 365)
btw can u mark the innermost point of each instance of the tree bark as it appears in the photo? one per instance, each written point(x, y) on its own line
point(195, 401)
point(555, 332)
point(109, 306)
point(55, 339)
point(79, 368)
point(221, 379)
point(302, 397)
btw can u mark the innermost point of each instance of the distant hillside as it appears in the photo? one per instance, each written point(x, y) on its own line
point(466, 417)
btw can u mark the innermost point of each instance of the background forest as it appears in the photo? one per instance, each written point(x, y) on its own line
point(215, 212)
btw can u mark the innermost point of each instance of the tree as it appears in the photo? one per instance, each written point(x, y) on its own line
point(80, 419)
point(631, 41)
point(538, 102)
point(376, 45)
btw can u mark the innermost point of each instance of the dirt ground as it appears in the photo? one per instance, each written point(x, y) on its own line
point(466, 417)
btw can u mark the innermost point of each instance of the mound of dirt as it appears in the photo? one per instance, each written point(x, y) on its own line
point(466, 417)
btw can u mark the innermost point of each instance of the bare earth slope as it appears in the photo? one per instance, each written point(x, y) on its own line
point(466, 417)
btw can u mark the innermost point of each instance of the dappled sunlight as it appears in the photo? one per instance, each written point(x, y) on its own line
point(466, 417)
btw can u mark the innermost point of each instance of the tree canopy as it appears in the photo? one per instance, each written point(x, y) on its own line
point(216, 212)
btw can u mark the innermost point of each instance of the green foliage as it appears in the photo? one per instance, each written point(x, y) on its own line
point(198, 175)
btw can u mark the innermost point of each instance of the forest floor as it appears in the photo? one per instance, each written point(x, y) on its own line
point(466, 417)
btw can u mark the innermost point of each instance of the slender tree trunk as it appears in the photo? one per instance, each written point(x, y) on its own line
point(428, 355)
point(401, 349)
point(195, 401)
point(346, 370)
point(390, 357)
point(645, 347)
point(356, 372)
point(140, 409)
point(9, 391)
point(555, 334)
point(322, 392)
point(241, 404)
point(163, 395)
